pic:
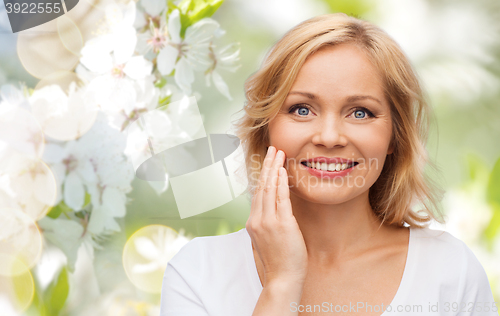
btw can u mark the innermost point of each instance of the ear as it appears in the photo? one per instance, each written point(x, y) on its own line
point(390, 150)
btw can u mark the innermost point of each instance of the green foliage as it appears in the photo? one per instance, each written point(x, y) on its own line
point(355, 8)
point(57, 292)
point(160, 83)
point(164, 101)
point(21, 285)
point(203, 9)
point(478, 170)
point(492, 230)
point(87, 200)
point(493, 193)
point(58, 209)
point(62, 208)
point(238, 227)
point(192, 11)
point(493, 198)
point(37, 306)
point(51, 301)
point(223, 228)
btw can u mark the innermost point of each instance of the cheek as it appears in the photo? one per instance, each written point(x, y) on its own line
point(373, 140)
point(372, 143)
point(286, 136)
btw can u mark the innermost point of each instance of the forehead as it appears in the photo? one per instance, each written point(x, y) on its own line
point(339, 70)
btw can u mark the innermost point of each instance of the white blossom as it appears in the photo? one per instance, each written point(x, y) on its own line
point(61, 116)
point(224, 58)
point(95, 164)
point(192, 51)
point(153, 7)
point(121, 82)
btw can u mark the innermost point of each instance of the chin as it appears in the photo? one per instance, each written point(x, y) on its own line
point(325, 196)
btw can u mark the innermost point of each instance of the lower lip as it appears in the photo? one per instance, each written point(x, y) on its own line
point(328, 174)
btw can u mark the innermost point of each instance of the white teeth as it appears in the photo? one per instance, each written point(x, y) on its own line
point(328, 167)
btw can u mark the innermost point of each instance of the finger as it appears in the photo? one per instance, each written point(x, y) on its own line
point(256, 210)
point(284, 205)
point(269, 194)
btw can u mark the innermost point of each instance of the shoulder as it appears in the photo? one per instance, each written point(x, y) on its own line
point(452, 258)
point(438, 244)
point(436, 254)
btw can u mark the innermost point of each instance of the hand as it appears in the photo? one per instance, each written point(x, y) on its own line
point(272, 227)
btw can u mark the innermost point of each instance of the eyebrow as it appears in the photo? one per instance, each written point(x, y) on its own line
point(352, 98)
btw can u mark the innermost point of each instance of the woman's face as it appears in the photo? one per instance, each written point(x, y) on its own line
point(336, 109)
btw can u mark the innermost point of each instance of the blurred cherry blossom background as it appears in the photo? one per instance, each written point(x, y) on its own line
point(80, 235)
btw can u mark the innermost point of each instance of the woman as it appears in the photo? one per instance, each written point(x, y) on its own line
point(333, 227)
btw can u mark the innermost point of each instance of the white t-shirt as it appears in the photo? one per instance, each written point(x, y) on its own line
point(217, 276)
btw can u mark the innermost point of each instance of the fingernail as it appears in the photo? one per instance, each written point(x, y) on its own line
point(269, 149)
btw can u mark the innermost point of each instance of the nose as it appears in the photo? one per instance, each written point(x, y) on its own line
point(329, 133)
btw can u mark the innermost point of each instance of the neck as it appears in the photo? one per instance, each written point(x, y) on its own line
point(332, 232)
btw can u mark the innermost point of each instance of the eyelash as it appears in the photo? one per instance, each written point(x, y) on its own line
point(297, 106)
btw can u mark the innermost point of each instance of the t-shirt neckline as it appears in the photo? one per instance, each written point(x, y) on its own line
point(403, 285)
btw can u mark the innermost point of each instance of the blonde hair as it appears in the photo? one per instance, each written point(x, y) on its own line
point(402, 183)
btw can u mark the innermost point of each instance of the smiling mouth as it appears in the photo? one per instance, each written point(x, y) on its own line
point(332, 167)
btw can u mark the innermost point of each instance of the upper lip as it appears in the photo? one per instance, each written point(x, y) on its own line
point(329, 160)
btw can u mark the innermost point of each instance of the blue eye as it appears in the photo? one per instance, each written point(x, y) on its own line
point(359, 114)
point(362, 113)
point(303, 109)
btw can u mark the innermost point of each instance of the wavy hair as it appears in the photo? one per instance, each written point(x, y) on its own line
point(402, 184)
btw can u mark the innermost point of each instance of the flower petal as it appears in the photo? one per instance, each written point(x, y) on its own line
point(228, 56)
point(112, 94)
point(221, 85)
point(129, 13)
point(86, 171)
point(166, 60)
point(101, 221)
point(138, 67)
point(154, 7)
point(184, 75)
point(124, 42)
point(74, 192)
point(96, 54)
point(142, 47)
point(58, 170)
point(114, 202)
point(140, 20)
point(201, 31)
point(174, 26)
point(53, 153)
